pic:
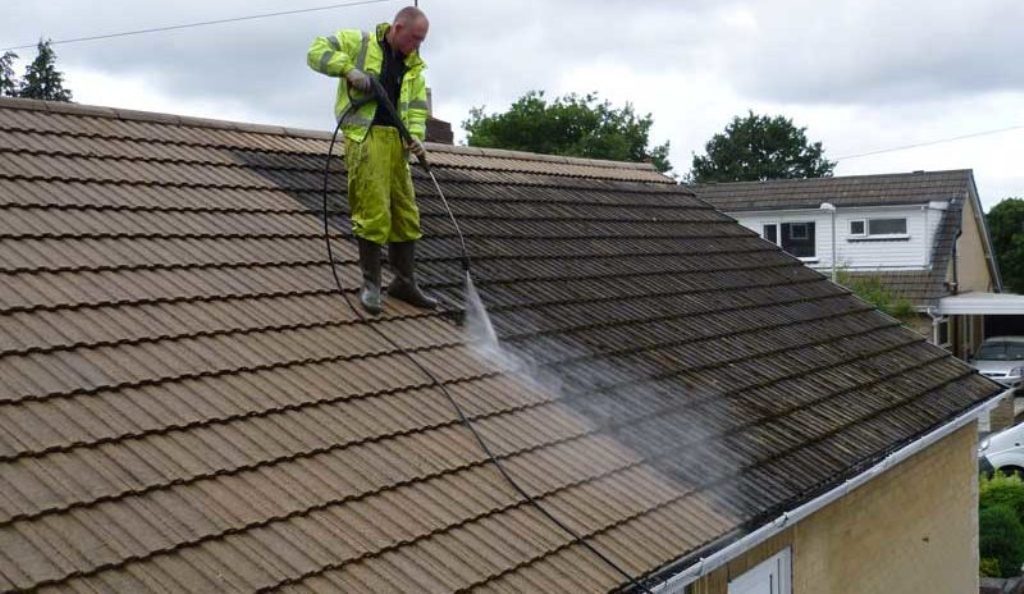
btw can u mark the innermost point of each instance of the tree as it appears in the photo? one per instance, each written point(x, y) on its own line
point(573, 125)
point(1006, 225)
point(42, 80)
point(8, 84)
point(758, 148)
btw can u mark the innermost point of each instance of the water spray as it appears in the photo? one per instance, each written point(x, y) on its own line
point(479, 323)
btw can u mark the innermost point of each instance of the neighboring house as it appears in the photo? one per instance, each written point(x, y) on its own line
point(187, 404)
point(923, 234)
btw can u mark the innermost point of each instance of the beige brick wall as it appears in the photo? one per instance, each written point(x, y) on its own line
point(972, 266)
point(911, 530)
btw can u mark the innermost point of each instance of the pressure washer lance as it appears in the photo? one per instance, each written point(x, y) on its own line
point(378, 93)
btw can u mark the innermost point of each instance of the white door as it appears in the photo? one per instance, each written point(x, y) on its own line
point(769, 577)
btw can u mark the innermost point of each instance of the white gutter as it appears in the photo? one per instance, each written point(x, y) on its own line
point(809, 209)
point(677, 583)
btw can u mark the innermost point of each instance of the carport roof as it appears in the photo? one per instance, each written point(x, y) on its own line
point(994, 304)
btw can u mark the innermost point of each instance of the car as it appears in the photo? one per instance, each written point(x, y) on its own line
point(1003, 451)
point(1001, 358)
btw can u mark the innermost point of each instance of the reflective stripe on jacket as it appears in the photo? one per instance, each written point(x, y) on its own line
point(336, 55)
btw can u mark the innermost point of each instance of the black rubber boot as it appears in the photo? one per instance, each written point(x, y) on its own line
point(369, 262)
point(403, 263)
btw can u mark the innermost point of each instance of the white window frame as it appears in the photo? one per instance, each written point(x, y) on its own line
point(937, 334)
point(868, 235)
point(772, 576)
point(807, 226)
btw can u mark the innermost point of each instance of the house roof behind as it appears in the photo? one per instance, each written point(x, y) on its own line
point(921, 287)
point(187, 404)
point(919, 187)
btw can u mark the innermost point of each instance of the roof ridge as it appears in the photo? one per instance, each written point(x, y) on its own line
point(77, 109)
point(906, 174)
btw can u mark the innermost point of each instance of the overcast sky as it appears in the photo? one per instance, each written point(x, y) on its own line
point(860, 75)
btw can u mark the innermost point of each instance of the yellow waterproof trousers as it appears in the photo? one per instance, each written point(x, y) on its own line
point(380, 193)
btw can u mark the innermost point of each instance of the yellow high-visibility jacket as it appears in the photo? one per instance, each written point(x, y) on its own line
point(335, 55)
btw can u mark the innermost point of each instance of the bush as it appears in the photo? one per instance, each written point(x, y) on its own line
point(989, 567)
point(870, 288)
point(1002, 539)
point(1002, 490)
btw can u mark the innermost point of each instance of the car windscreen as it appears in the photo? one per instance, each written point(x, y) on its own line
point(1001, 351)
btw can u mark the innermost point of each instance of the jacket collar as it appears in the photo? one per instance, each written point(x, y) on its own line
point(413, 60)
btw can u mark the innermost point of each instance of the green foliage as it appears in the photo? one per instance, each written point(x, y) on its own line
point(1006, 225)
point(989, 567)
point(870, 288)
point(758, 148)
point(573, 125)
point(8, 83)
point(1001, 537)
point(1001, 524)
point(42, 80)
point(1001, 489)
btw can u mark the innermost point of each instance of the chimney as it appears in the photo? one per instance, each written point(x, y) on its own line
point(437, 130)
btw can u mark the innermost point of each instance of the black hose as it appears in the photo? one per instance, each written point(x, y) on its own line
point(378, 91)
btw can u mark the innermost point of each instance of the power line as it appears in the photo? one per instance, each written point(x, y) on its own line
point(201, 24)
point(929, 143)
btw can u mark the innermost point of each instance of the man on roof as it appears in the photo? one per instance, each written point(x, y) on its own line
point(380, 191)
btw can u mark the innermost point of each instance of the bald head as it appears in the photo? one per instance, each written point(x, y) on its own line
point(408, 30)
point(409, 15)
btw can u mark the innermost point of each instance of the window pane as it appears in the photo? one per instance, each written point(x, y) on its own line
point(771, 233)
point(887, 226)
point(856, 227)
point(798, 239)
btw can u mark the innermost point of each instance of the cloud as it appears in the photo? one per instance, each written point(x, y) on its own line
point(140, 92)
point(853, 51)
point(260, 63)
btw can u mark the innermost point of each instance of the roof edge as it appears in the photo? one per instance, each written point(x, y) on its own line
point(686, 571)
point(77, 109)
